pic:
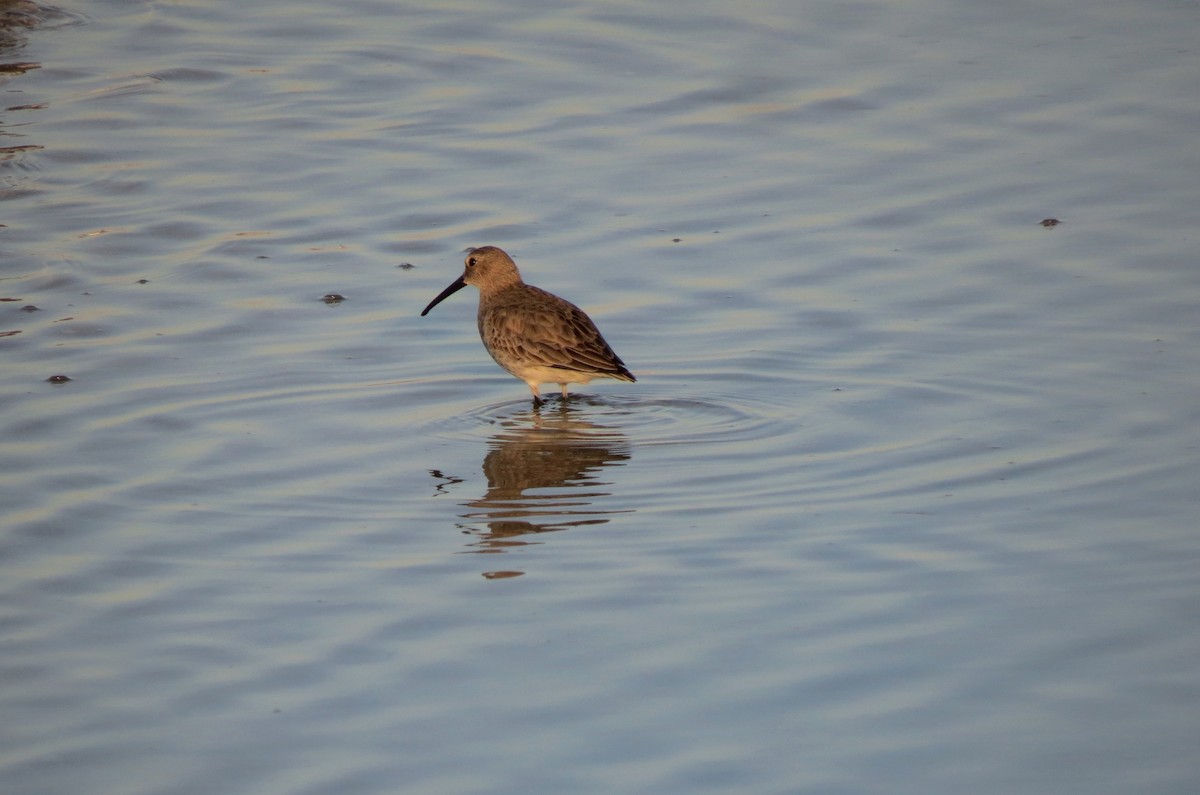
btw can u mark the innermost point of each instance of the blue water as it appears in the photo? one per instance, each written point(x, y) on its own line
point(903, 500)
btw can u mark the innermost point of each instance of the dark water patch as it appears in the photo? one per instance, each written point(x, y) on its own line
point(189, 75)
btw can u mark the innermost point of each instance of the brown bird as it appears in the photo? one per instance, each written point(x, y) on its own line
point(535, 335)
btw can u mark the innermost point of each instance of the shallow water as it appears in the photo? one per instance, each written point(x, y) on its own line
point(903, 500)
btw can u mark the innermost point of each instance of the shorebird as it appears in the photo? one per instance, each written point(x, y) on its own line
point(535, 335)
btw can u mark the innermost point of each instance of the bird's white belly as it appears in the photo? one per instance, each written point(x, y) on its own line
point(539, 374)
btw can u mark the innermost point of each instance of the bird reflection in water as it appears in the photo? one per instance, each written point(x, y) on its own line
point(542, 475)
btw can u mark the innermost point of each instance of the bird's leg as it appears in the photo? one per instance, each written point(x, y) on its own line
point(537, 399)
point(564, 390)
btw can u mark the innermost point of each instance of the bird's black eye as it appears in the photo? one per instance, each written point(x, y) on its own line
point(471, 262)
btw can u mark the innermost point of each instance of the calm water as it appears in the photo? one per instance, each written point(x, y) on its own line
point(904, 500)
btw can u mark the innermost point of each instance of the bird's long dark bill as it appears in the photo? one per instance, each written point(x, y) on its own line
point(449, 291)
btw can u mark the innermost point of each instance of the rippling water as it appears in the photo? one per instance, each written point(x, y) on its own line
point(903, 500)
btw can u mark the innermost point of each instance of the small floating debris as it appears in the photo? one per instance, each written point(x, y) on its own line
point(406, 266)
point(58, 379)
point(18, 68)
point(143, 281)
point(1050, 223)
point(333, 298)
point(31, 308)
point(501, 575)
point(9, 152)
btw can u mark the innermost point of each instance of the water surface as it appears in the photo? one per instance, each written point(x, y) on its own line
point(903, 500)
